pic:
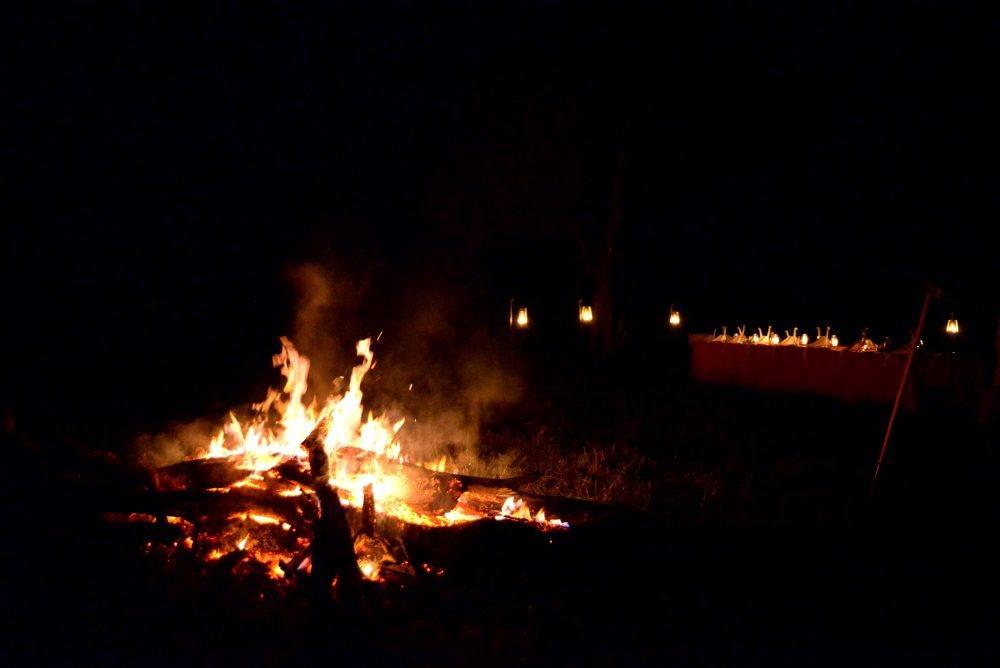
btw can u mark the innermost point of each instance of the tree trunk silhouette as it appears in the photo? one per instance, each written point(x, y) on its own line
point(605, 257)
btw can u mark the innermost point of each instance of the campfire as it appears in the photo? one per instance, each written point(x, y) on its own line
point(321, 492)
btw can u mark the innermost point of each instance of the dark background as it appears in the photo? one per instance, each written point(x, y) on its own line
point(171, 162)
point(174, 165)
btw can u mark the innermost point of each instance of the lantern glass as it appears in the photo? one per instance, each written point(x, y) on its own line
point(586, 314)
point(522, 317)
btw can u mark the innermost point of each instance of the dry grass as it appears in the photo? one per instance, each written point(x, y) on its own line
point(613, 474)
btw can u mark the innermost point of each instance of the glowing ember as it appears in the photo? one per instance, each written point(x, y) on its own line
point(368, 568)
point(514, 507)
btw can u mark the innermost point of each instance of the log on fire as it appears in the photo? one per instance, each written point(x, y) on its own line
point(200, 474)
point(467, 547)
point(490, 502)
point(333, 547)
point(195, 504)
point(224, 471)
point(428, 491)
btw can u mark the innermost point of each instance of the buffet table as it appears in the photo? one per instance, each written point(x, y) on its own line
point(850, 377)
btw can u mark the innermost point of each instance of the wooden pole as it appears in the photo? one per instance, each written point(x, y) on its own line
point(902, 386)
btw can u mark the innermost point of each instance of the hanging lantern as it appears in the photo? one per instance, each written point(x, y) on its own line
point(804, 340)
point(834, 341)
point(675, 317)
point(522, 317)
point(952, 326)
point(586, 314)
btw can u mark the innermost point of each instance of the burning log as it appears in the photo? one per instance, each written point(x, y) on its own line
point(368, 512)
point(467, 480)
point(200, 503)
point(294, 471)
point(200, 474)
point(547, 510)
point(265, 500)
point(332, 548)
point(355, 459)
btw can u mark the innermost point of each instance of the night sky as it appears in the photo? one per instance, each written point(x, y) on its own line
point(171, 163)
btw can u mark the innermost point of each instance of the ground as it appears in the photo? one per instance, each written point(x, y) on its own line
point(748, 533)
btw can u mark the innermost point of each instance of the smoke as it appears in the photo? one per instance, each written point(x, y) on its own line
point(325, 322)
point(180, 440)
point(436, 361)
point(443, 369)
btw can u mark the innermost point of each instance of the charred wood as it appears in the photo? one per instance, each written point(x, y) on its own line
point(200, 474)
point(368, 512)
point(333, 550)
point(489, 501)
point(194, 504)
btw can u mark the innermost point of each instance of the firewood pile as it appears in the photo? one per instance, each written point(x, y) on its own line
point(320, 498)
point(290, 525)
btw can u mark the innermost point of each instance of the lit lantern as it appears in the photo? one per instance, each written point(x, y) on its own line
point(804, 339)
point(834, 341)
point(522, 317)
point(586, 314)
point(675, 318)
point(952, 326)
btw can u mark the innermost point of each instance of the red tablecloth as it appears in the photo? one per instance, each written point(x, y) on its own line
point(836, 373)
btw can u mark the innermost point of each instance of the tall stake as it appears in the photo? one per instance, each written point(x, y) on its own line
point(902, 385)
